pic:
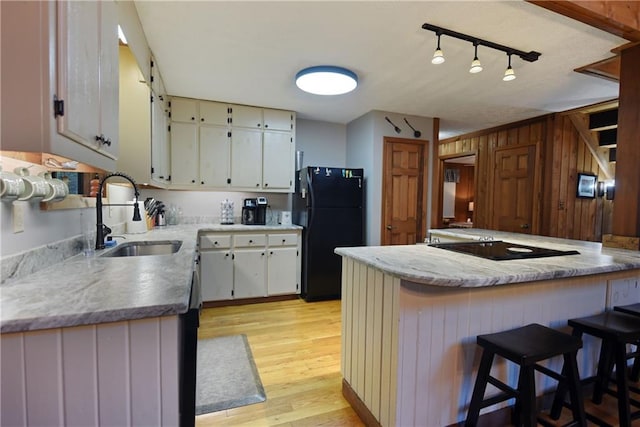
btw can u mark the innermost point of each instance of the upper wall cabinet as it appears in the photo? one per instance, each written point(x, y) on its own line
point(60, 82)
point(217, 146)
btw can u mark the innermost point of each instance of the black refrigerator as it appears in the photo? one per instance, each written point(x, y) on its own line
point(329, 205)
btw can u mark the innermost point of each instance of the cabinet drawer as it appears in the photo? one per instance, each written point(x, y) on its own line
point(289, 239)
point(215, 241)
point(249, 240)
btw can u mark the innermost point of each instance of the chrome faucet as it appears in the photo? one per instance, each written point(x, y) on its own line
point(102, 230)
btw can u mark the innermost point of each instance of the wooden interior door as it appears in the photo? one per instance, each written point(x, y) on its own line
point(403, 191)
point(514, 189)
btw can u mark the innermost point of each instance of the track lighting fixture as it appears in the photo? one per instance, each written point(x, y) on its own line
point(476, 67)
point(438, 56)
point(509, 74)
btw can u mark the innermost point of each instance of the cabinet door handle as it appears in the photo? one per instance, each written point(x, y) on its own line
point(193, 181)
point(107, 142)
point(284, 240)
point(202, 182)
point(202, 119)
point(193, 118)
point(271, 253)
point(226, 255)
point(258, 125)
point(266, 126)
point(266, 184)
point(258, 185)
point(215, 243)
point(250, 241)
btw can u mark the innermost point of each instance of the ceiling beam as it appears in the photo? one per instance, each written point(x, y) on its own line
point(590, 138)
point(621, 18)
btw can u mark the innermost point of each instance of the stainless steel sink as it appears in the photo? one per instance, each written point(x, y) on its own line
point(145, 247)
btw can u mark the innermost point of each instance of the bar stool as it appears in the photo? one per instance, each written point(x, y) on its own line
point(633, 309)
point(616, 331)
point(525, 346)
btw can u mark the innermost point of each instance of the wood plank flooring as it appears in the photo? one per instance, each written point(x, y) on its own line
point(296, 347)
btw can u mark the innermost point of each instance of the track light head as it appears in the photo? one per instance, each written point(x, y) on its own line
point(476, 67)
point(509, 74)
point(438, 56)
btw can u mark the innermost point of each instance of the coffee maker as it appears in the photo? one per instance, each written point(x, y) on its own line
point(261, 211)
point(254, 211)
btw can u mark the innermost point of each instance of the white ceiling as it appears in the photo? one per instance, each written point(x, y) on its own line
point(249, 52)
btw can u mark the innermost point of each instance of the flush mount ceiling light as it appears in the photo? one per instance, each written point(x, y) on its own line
point(476, 67)
point(438, 56)
point(509, 74)
point(326, 80)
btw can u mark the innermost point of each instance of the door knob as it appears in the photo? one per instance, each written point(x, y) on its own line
point(389, 227)
point(525, 226)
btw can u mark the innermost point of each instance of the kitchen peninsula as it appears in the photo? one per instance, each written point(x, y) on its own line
point(410, 315)
point(97, 340)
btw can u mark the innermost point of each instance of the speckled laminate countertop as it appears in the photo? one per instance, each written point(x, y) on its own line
point(89, 290)
point(433, 266)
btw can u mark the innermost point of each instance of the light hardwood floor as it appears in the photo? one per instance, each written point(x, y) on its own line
point(296, 347)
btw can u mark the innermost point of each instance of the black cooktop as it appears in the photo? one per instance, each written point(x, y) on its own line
point(498, 250)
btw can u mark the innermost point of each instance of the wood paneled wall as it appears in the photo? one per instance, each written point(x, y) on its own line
point(562, 154)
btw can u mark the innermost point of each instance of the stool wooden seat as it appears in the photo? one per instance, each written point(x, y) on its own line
point(616, 330)
point(526, 346)
point(633, 309)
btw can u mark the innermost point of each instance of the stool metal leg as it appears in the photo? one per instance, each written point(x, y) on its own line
point(479, 388)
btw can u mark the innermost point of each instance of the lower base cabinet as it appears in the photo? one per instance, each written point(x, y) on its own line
point(248, 273)
point(249, 264)
point(282, 270)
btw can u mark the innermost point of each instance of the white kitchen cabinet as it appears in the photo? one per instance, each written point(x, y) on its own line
point(214, 147)
point(245, 116)
point(144, 143)
point(216, 267)
point(184, 154)
point(238, 147)
point(246, 159)
point(63, 98)
point(214, 113)
point(88, 74)
point(216, 274)
point(278, 160)
point(184, 110)
point(199, 152)
point(249, 265)
point(281, 271)
point(283, 264)
point(160, 149)
point(277, 119)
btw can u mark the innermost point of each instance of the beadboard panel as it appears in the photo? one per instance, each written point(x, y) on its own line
point(80, 375)
point(12, 385)
point(114, 370)
point(169, 375)
point(409, 351)
point(370, 319)
point(106, 374)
